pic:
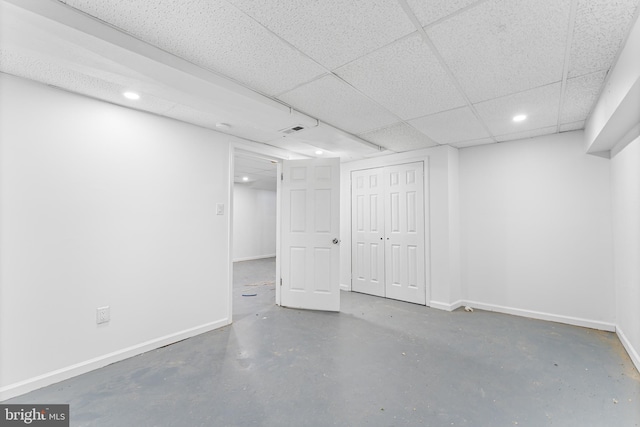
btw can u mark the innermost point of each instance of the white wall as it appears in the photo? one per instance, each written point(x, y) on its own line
point(103, 205)
point(625, 182)
point(536, 230)
point(254, 223)
point(453, 170)
point(441, 222)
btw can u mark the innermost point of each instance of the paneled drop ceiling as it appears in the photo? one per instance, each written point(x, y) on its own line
point(362, 77)
point(254, 171)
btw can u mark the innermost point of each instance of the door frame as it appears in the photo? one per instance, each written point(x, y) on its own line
point(427, 217)
point(267, 152)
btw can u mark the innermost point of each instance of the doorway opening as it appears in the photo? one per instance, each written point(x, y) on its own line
point(297, 225)
point(254, 210)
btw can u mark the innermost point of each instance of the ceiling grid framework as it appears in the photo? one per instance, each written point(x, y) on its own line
point(403, 74)
point(565, 67)
point(395, 89)
point(432, 47)
point(431, 12)
point(398, 137)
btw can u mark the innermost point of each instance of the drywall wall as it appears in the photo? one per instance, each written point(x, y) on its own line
point(625, 184)
point(453, 171)
point(536, 230)
point(103, 205)
point(254, 223)
point(441, 224)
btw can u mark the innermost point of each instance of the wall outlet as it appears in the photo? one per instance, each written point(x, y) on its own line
point(103, 314)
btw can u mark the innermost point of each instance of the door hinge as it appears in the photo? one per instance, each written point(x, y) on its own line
point(281, 281)
point(281, 176)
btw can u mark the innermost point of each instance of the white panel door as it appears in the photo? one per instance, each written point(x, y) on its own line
point(309, 239)
point(367, 225)
point(404, 233)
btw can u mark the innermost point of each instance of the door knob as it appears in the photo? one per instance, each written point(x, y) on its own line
point(336, 241)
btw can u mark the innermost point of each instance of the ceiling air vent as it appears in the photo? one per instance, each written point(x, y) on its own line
point(289, 131)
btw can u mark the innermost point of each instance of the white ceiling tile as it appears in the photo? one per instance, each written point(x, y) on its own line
point(240, 172)
point(268, 184)
point(333, 142)
point(308, 149)
point(291, 144)
point(252, 164)
point(428, 11)
point(451, 126)
point(527, 134)
point(581, 93)
point(379, 154)
point(261, 172)
point(399, 137)
point(212, 34)
point(599, 32)
point(50, 72)
point(336, 103)
point(539, 104)
point(405, 77)
point(239, 175)
point(474, 143)
point(191, 115)
point(572, 126)
point(268, 173)
point(36, 52)
point(332, 32)
point(504, 46)
point(508, 56)
point(242, 127)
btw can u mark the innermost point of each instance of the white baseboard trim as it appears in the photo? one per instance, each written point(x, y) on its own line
point(22, 387)
point(632, 352)
point(251, 258)
point(446, 306)
point(576, 321)
point(344, 287)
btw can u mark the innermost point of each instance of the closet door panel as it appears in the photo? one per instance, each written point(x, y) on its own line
point(367, 228)
point(404, 240)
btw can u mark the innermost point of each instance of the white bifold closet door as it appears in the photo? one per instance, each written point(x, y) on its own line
point(388, 244)
point(367, 228)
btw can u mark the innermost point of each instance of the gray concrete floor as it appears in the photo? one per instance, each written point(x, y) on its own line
point(376, 363)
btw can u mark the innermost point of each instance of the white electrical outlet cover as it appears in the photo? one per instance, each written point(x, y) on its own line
point(103, 314)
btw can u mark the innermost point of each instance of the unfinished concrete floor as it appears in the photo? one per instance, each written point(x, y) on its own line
point(376, 363)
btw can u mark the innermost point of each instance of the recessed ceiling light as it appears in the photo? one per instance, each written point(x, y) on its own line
point(223, 126)
point(131, 95)
point(319, 152)
point(519, 117)
point(245, 178)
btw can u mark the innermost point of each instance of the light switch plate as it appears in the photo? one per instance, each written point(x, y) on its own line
point(220, 209)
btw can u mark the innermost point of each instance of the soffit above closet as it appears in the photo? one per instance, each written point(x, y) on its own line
point(367, 77)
